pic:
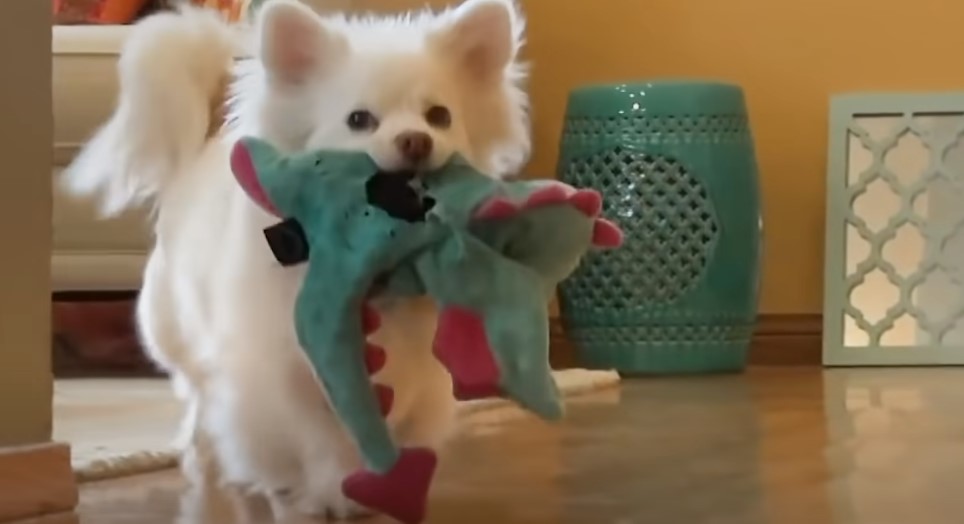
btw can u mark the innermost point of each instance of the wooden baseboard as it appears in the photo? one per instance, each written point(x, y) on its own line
point(562, 354)
point(788, 340)
point(778, 340)
point(95, 336)
point(37, 481)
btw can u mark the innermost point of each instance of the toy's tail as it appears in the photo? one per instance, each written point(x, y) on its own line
point(249, 156)
point(173, 74)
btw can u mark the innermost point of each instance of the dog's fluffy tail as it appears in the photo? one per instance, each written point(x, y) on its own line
point(173, 71)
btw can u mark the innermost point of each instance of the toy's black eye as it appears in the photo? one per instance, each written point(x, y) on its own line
point(362, 120)
point(439, 116)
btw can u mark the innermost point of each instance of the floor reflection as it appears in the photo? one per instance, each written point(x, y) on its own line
point(768, 447)
point(898, 445)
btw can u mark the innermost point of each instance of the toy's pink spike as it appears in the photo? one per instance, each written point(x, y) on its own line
point(606, 234)
point(247, 176)
point(554, 193)
point(498, 207)
point(587, 201)
point(402, 493)
point(375, 359)
point(371, 321)
point(386, 397)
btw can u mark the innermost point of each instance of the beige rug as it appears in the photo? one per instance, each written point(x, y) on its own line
point(120, 427)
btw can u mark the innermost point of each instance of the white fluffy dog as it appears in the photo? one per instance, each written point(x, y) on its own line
point(216, 308)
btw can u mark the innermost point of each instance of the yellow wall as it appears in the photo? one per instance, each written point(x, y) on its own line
point(25, 200)
point(790, 56)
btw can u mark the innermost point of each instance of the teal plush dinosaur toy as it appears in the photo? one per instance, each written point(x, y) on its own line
point(489, 252)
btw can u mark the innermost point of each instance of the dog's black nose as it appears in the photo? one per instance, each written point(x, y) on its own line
point(415, 146)
point(399, 195)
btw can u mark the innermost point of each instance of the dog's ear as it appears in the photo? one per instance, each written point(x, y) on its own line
point(294, 43)
point(483, 36)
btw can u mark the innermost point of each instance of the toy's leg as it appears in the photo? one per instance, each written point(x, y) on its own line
point(517, 368)
point(402, 491)
point(332, 337)
point(396, 481)
point(356, 401)
point(319, 497)
point(511, 354)
point(523, 348)
point(526, 374)
point(463, 347)
point(460, 344)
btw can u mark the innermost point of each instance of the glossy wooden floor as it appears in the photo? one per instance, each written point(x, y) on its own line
point(769, 447)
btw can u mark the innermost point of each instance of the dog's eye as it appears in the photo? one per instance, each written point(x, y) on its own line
point(362, 120)
point(439, 116)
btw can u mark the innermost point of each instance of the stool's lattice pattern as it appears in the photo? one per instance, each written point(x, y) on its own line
point(669, 217)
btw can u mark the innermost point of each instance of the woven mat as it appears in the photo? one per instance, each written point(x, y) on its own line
point(121, 427)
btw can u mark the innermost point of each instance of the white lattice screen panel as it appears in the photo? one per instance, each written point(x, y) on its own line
point(895, 231)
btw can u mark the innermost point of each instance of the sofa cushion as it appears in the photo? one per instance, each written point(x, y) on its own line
point(89, 253)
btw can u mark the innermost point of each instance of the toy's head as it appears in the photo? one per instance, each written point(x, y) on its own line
point(282, 184)
point(546, 228)
point(333, 193)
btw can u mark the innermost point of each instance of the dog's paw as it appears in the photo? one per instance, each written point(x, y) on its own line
point(305, 507)
point(349, 510)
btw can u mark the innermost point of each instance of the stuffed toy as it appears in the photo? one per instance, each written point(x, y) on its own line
point(490, 253)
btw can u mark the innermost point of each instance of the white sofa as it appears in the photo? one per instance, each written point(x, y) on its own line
point(89, 254)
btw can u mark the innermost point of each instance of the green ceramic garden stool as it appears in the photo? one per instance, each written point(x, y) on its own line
point(675, 162)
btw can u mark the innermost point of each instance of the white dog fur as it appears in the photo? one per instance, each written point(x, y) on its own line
point(216, 308)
